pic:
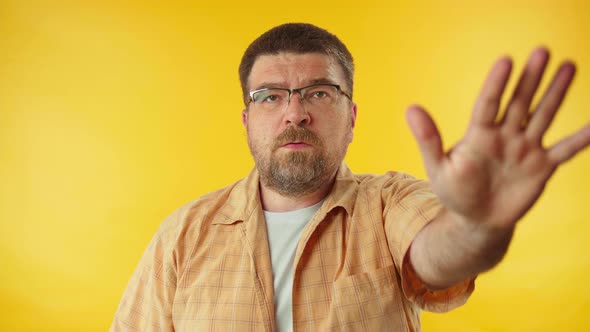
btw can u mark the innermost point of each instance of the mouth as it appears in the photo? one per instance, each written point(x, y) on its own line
point(297, 145)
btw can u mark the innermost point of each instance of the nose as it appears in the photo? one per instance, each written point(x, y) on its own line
point(295, 113)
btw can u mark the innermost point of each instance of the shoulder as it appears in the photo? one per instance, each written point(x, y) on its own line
point(356, 192)
point(387, 188)
point(186, 222)
point(392, 182)
point(388, 176)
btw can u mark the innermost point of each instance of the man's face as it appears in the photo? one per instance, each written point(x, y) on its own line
point(298, 148)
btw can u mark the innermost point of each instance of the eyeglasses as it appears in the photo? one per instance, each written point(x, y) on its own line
point(315, 96)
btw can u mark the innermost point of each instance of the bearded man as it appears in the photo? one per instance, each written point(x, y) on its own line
point(302, 243)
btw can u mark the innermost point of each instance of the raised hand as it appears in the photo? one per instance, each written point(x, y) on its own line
point(500, 167)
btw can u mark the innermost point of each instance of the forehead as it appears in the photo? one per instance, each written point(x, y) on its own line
point(293, 70)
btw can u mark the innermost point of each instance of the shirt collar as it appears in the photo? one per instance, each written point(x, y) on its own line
point(244, 197)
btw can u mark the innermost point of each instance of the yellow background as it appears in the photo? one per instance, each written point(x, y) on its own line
point(114, 114)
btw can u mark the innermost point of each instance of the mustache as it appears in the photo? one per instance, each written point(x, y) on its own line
point(296, 134)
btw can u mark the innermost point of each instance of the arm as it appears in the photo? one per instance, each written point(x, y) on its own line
point(449, 250)
point(146, 304)
point(493, 176)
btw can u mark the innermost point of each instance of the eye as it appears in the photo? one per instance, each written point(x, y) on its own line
point(319, 94)
point(270, 99)
point(270, 96)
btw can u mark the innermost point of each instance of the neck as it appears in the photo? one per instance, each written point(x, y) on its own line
point(272, 201)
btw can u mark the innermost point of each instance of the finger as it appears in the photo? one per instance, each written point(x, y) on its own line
point(570, 146)
point(519, 105)
point(549, 104)
point(427, 136)
point(488, 102)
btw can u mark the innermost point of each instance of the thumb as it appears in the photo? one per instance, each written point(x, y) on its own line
point(427, 136)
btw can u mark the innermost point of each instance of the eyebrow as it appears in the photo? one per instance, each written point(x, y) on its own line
point(281, 85)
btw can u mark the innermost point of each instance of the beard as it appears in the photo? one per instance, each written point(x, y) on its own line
point(297, 173)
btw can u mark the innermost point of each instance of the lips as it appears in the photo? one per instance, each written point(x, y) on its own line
point(296, 145)
point(296, 142)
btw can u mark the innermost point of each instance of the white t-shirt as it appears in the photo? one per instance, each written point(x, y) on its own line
point(284, 231)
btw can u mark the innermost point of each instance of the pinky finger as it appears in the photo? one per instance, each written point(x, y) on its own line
point(568, 147)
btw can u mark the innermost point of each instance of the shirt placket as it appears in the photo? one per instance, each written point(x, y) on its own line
point(255, 240)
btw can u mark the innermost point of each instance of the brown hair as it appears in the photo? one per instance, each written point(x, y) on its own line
point(297, 38)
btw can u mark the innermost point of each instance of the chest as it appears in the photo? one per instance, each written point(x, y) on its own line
point(344, 278)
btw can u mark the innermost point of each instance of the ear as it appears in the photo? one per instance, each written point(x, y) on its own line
point(353, 114)
point(352, 122)
point(245, 118)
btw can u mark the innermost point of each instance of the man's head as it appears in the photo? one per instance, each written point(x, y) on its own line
point(298, 138)
point(298, 38)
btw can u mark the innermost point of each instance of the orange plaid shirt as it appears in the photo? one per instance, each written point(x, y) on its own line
point(208, 267)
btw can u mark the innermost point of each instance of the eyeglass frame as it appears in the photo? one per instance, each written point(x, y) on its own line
point(298, 90)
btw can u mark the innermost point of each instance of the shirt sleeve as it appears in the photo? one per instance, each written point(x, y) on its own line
point(146, 304)
point(409, 205)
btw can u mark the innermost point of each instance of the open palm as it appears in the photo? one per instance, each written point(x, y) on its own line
point(500, 167)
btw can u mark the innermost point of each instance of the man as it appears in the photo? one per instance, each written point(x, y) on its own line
point(302, 243)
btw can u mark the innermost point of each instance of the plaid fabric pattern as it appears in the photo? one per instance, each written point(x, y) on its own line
point(208, 267)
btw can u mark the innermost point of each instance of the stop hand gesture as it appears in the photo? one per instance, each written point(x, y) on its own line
point(499, 169)
point(493, 176)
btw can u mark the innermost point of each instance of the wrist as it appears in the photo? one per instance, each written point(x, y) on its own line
point(483, 241)
point(479, 227)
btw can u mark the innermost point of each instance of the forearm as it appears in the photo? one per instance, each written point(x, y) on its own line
point(449, 250)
